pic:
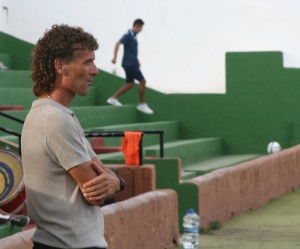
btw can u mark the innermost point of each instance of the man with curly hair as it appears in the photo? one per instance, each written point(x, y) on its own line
point(65, 181)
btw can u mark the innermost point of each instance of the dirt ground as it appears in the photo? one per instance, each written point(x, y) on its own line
point(273, 226)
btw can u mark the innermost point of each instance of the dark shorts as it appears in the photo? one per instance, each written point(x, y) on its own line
point(42, 246)
point(133, 73)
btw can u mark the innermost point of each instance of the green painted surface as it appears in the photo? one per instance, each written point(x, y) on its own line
point(19, 50)
point(170, 128)
point(15, 79)
point(189, 150)
point(93, 116)
point(7, 229)
point(17, 96)
point(206, 166)
point(6, 60)
point(260, 105)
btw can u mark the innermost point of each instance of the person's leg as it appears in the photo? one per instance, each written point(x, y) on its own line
point(142, 106)
point(122, 90)
point(142, 87)
point(113, 100)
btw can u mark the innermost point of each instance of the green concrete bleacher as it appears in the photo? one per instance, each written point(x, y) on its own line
point(16, 96)
point(188, 174)
point(205, 166)
point(189, 150)
point(6, 60)
point(187, 154)
point(7, 229)
point(12, 125)
point(15, 79)
point(96, 116)
point(88, 100)
point(170, 128)
point(24, 97)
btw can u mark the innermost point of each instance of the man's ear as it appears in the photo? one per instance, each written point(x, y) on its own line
point(58, 64)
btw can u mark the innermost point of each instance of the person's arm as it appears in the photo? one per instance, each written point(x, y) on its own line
point(106, 185)
point(114, 59)
point(102, 182)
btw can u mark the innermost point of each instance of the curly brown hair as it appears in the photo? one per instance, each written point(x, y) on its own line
point(61, 41)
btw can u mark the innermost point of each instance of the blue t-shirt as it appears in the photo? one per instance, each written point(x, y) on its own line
point(130, 43)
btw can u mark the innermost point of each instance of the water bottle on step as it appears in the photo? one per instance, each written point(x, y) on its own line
point(191, 222)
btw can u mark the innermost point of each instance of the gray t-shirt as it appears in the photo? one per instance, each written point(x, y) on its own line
point(52, 143)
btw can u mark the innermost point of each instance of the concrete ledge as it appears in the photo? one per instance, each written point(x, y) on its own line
point(232, 191)
point(20, 240)
point(147, 221)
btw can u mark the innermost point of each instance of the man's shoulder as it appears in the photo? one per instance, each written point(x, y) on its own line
point(127, 36)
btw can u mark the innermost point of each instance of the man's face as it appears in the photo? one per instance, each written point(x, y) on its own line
point(138, 28)
point(78, 74)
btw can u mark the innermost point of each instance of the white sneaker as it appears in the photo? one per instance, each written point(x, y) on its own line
point(2, 66)
point(144, 108)
point(114, 102)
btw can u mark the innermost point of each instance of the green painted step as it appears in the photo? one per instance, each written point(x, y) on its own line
point(6, 60)
point(89, 116)
point(10, 124)
point(10, 138)
point(25, 96)
point(16, 96)
point(89, 100)
point(211, 164)
point(15, 79)
point(190, 151)
point(188, 174)
point(170, 128)
point(114, 155)
point(95, 116)
point(7, 229)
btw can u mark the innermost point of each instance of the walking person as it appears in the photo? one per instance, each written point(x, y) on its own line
point(65, 181)
point(131, 66)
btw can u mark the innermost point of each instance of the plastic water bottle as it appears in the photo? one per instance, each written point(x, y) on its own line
point(191, 222)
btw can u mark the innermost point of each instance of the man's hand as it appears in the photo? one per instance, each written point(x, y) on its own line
point(116, 49)
point(105, 185)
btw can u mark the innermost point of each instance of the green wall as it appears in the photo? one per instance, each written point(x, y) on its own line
point(260, 104)
point(20, 51)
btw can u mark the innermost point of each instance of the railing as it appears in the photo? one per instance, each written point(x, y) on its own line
point(12, 117)
point(88, 134)
point(121, 134)
point(11, 131)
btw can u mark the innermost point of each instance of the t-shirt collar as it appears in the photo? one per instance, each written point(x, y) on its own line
point(52, 102)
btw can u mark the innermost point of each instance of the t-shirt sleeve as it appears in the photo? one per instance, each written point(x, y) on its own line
point(124, 39)
point(90, 150)
point(65, 141)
